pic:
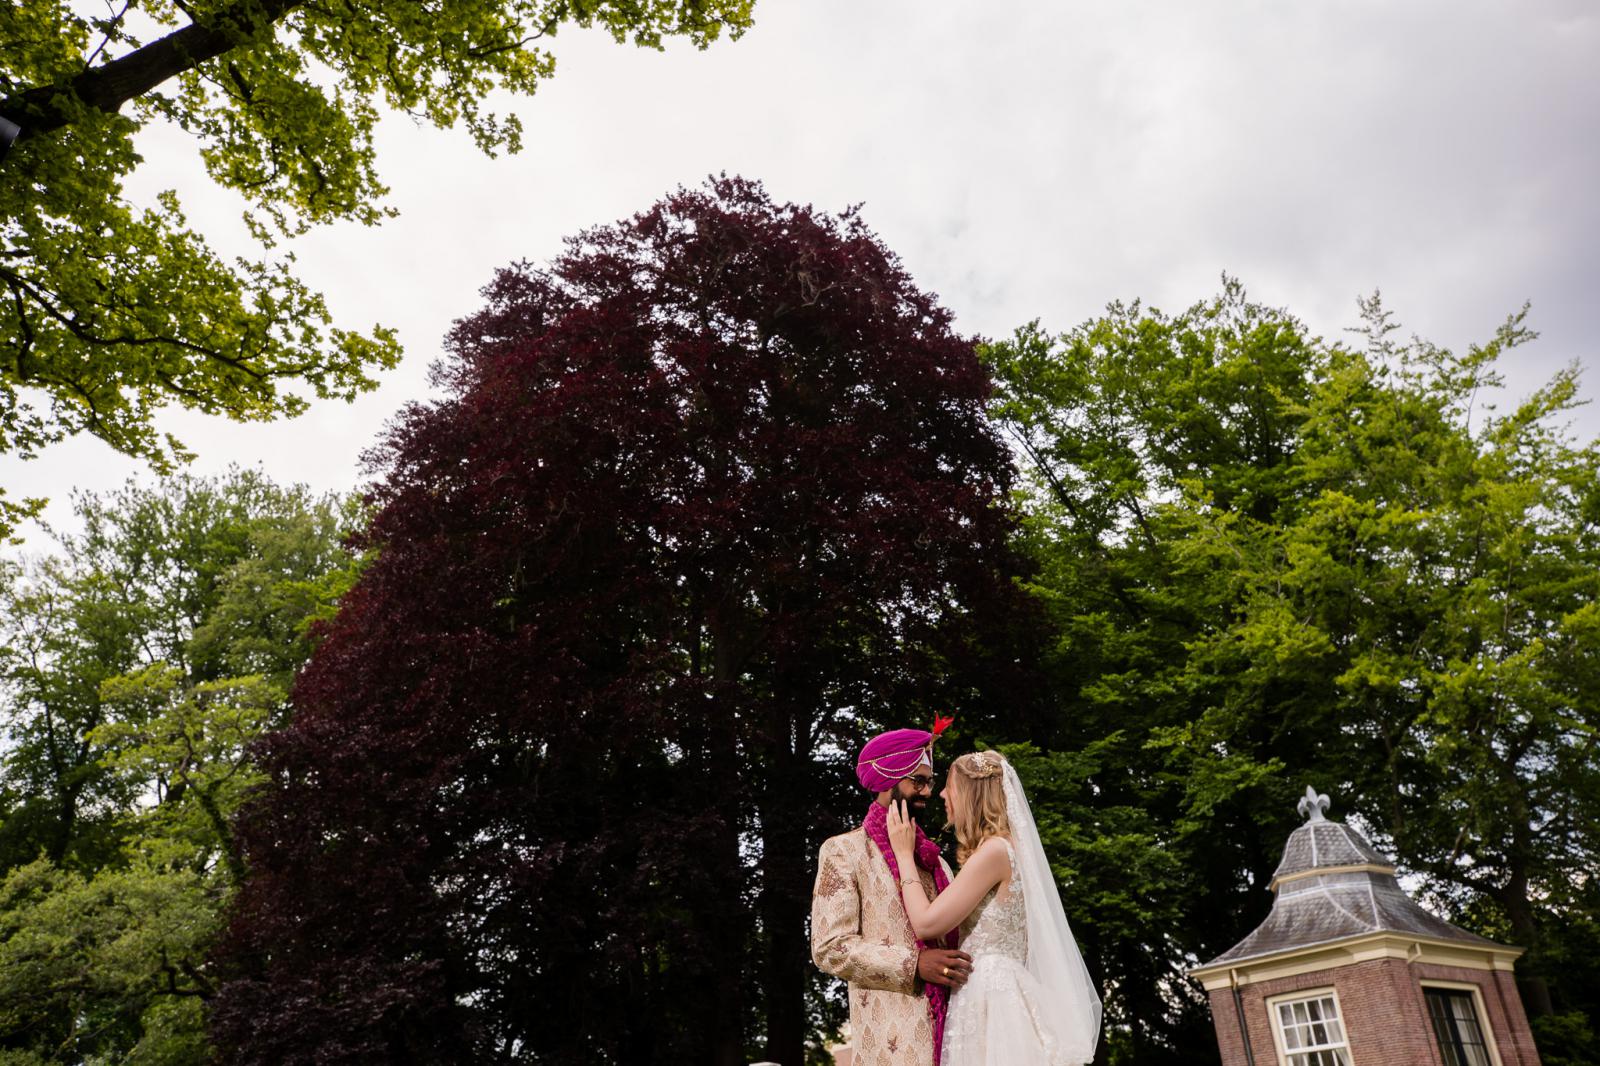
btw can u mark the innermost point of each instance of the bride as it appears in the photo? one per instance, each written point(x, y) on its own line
point(1028, 1001)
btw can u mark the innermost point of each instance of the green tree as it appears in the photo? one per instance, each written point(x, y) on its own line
point(143, 658)
point(109, 311)
point(1433, 600)
point(1111, 418)
point(1273, 560)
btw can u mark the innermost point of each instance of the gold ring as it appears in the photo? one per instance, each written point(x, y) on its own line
point(947, 971)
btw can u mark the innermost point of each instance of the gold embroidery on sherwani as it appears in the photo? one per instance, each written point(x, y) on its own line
point(859, 931)
point(831, 880)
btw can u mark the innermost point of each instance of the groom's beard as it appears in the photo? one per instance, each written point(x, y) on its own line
point(916, 805)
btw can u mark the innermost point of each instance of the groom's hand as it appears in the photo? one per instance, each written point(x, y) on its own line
point(941, 966)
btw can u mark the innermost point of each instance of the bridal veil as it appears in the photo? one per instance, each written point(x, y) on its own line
point(1053, 956)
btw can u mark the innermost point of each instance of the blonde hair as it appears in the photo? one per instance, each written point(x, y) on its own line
point(977, 807)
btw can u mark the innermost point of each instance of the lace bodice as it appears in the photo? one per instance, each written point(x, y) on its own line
point(999, 1015)
point(999, 928)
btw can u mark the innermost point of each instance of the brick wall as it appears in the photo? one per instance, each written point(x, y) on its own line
point(1386, 1019)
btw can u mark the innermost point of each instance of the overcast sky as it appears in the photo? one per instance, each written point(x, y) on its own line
point(1026, 158)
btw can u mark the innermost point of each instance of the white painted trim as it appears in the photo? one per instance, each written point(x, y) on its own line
point(1299, 994)
point(1363, 948)
point(1357, 868)
point(1477, 1004)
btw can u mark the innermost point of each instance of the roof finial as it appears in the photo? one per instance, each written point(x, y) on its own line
point(1313, 805)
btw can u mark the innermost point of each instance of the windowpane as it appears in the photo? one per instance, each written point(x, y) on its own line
point(1333, 1057)
point(1457, 1027)
point(1312, 1033)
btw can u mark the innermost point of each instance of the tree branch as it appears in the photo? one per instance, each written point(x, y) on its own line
point(78, 330)
point(46, 108)
point(110, 32)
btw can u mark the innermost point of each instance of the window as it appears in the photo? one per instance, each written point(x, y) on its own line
point(1310, 1032)
point(1456, 1025)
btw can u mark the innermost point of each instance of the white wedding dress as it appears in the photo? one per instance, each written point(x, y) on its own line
point(1029, 1001)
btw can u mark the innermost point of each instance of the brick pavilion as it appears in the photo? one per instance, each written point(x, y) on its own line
point(1347, 970)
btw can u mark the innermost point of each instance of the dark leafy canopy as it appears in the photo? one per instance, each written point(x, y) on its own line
point(139, 659)
point(709, 496)
point(1273, 561)
point(109, 311)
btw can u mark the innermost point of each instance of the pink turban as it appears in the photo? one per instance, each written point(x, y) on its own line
point(890, 756)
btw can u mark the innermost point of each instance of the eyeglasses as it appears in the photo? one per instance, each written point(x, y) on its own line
point(920, 782)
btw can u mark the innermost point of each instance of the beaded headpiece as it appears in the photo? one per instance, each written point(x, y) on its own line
point(981, 764)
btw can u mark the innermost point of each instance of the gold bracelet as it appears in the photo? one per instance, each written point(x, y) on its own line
point(911, 881)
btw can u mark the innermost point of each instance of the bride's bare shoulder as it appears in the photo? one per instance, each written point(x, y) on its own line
point(995, 849)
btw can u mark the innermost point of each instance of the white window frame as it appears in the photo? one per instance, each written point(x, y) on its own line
point(1477, 1005)
point(1296, 996)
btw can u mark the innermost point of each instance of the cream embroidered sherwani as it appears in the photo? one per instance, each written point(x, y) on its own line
point(859, 931)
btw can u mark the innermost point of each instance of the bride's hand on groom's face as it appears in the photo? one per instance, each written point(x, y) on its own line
point(902, 830)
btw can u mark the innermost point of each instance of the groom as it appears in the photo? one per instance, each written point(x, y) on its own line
point(899, 986)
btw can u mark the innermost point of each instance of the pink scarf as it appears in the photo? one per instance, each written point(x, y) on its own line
point(876, 825)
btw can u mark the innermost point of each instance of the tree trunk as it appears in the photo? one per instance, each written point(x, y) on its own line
point(721, 921)
point(1535, 990)
point(66, 821)
point(785, 902)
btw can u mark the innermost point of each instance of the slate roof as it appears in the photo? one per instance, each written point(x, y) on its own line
point(1323, 904)
point(1323, 843)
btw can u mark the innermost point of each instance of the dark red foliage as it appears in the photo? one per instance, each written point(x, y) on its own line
point(709, 498)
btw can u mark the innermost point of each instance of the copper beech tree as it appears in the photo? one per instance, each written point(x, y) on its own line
point(706, 499)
